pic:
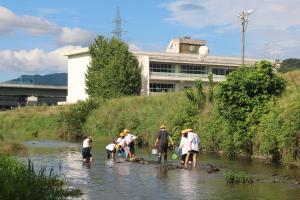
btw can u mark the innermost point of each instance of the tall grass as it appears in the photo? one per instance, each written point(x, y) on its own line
point(238, 177)
point(21, 182)
point(24, 122)
point(143, 115)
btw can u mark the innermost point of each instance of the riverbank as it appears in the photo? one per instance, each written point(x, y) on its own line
point(277, 131)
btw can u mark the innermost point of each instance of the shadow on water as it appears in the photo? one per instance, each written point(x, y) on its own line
point(106, 179)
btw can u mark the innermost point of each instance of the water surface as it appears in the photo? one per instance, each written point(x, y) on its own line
point(106, 179)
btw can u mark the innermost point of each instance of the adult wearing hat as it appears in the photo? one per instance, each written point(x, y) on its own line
point(162, 142)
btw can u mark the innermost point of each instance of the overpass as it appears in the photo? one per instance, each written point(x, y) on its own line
point(12, 95)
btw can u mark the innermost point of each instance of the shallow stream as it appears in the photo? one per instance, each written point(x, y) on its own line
point(105, 179)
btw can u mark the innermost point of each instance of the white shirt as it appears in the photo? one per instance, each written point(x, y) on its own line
point(194, 140)
point(129, 138)
point(122, 142)
point(86, 143)
point(110, 147)
point(184, 145)
point(118, 140)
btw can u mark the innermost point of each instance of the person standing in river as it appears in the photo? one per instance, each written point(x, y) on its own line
point(129, 138)
point(86, 149)
point(162, 143)
point(183, 146)
point(193, 142)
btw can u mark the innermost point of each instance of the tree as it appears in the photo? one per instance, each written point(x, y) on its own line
point(290, 64)
point(113, 70)
point(241, 100)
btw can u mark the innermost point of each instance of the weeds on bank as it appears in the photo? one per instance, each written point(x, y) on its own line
point(21, 182)
point(238, 177)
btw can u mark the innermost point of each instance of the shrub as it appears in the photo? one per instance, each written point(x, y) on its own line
point(74, 118)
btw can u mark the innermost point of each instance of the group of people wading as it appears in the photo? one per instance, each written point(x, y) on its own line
point(123, 146)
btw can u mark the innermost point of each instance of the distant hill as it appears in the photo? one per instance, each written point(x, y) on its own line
point(59, 79)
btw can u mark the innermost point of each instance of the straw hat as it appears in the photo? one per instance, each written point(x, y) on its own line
point(125, 131)
point(122, 134)
point(183, 131)
point(189, 130)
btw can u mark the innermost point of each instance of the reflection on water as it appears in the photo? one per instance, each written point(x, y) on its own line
point(106, 179)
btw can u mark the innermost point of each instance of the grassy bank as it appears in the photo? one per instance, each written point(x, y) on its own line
point(28, 122)
point(21, 182)
point(276, 133)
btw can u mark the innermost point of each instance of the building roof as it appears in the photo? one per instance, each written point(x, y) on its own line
point(181, 58)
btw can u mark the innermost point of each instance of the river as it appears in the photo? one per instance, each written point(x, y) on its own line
point(105, 179)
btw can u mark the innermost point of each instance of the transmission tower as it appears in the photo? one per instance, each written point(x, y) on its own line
point(118, 25)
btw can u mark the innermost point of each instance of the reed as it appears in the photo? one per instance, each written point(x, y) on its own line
point(24, 182)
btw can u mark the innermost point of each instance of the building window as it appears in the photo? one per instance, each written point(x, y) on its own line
point(193, 69)
point(161, 87)
point(162, 67)
point(221, 71)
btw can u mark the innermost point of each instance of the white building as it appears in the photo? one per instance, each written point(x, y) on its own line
point(173, 70)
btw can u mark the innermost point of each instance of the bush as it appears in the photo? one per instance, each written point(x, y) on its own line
point(241, 100)
point(73, 119)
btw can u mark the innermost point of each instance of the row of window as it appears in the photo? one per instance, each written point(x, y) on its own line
point(161, 87)
point(221, 71)
point(188, 69)
point(162, 67)
point(193, 69)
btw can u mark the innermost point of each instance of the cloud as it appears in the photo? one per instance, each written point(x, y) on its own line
point(32, 25)
point(35, 60)
point(134, 47)
point(279, 14)
point(74, 36)
point(275, 22)
point(10, 22)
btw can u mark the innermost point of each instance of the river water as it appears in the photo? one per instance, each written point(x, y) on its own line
point(105, 179)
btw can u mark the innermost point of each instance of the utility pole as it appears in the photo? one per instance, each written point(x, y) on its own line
point(118, 25)
point(244, 22)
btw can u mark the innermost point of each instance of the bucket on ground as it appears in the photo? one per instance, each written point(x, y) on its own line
point(154, 152)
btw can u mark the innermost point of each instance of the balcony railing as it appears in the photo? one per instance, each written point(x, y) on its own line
point(186, 75)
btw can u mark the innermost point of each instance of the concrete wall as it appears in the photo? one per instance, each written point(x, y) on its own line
point(144, 64)
point(77, 67)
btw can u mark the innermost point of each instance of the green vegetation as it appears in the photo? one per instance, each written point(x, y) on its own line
point(28, 122)
point(290, 64)
point(238, 177)
point(255, 120)
point(20, 182)
point(278, 134)
point(113, 71)
point(241, 100)
point(73, 119)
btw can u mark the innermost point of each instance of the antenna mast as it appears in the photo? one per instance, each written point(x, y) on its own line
point(118, 23)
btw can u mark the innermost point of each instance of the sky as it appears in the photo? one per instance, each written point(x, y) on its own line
point(34, 34)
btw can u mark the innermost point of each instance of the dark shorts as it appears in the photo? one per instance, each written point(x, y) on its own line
point(194, 152)
point(110, 152)
point(131, 147)
point(183, 157)
point(163, 149)
point(86, 153)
